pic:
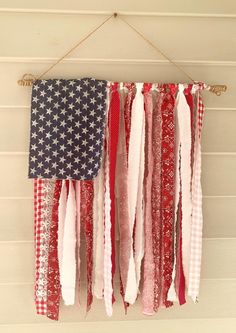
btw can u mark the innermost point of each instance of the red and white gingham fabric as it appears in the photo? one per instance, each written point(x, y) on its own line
point(40, 297)
point(197, 219)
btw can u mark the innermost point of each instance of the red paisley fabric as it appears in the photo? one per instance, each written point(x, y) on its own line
point(53, 278)
point(86, 216)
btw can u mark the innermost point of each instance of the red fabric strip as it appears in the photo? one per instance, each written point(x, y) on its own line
point(53, 278)
point(114, 121)
point(167, 188)
point(86, 211)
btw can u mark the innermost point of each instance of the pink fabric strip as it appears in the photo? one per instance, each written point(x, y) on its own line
point(197, 219)
point(148, 266)
point(122, 194)
point(156, 198)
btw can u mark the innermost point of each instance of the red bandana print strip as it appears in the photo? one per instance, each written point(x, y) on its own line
point(53, 284)
point(86, 215)
point(167, 188)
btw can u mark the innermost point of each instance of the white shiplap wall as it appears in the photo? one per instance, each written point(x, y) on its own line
point(200, 36)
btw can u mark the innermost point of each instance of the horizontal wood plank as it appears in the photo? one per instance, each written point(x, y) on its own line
point(11, 72)
point(218, 175)
point(216, 325)
point(218, 256)
point(218, 124)
point(47, 37)
point(217, 300)
point(171, 6)
point(219, 216)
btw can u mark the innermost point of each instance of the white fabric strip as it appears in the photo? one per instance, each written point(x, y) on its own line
point(61, 222)
point(184, 121)
point(107, 261)
point(108, 289)
point(139, 230)
point(137, 120)
point(98, 236)
point(68, 265)
point(77, 198)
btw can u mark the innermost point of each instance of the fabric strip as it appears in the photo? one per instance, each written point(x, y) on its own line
point(197, 219)
point(108, 288)
point(78, 231)
point(168, 180)
point(113, 123)
point(86, 211)
point(45, 193)
point(53, 277)
point(148, 266)
point(98, 233)
point(68, 264)
point(122, 198)
point(137, 119)
point(156, 197)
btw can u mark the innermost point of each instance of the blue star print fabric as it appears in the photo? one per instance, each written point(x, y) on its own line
point(67, 128)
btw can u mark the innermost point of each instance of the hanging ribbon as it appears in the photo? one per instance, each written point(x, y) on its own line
point(148, 266)
point(167, 188)
point(53, 277)
point(86, 215)
point(134, 160)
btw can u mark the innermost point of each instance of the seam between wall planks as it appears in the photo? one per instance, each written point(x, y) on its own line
point(124, 13)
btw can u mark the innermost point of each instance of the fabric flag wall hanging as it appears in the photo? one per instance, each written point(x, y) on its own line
point(116, 167)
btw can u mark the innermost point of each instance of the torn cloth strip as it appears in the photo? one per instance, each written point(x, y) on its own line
point(86, 211)
point(53, 275)
point(156, 230)
point(134, 159)
point(113, 124)
point(67, 128)
point(148, 265)
point(43, 203)
point(167, 188)
point(197, 218)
